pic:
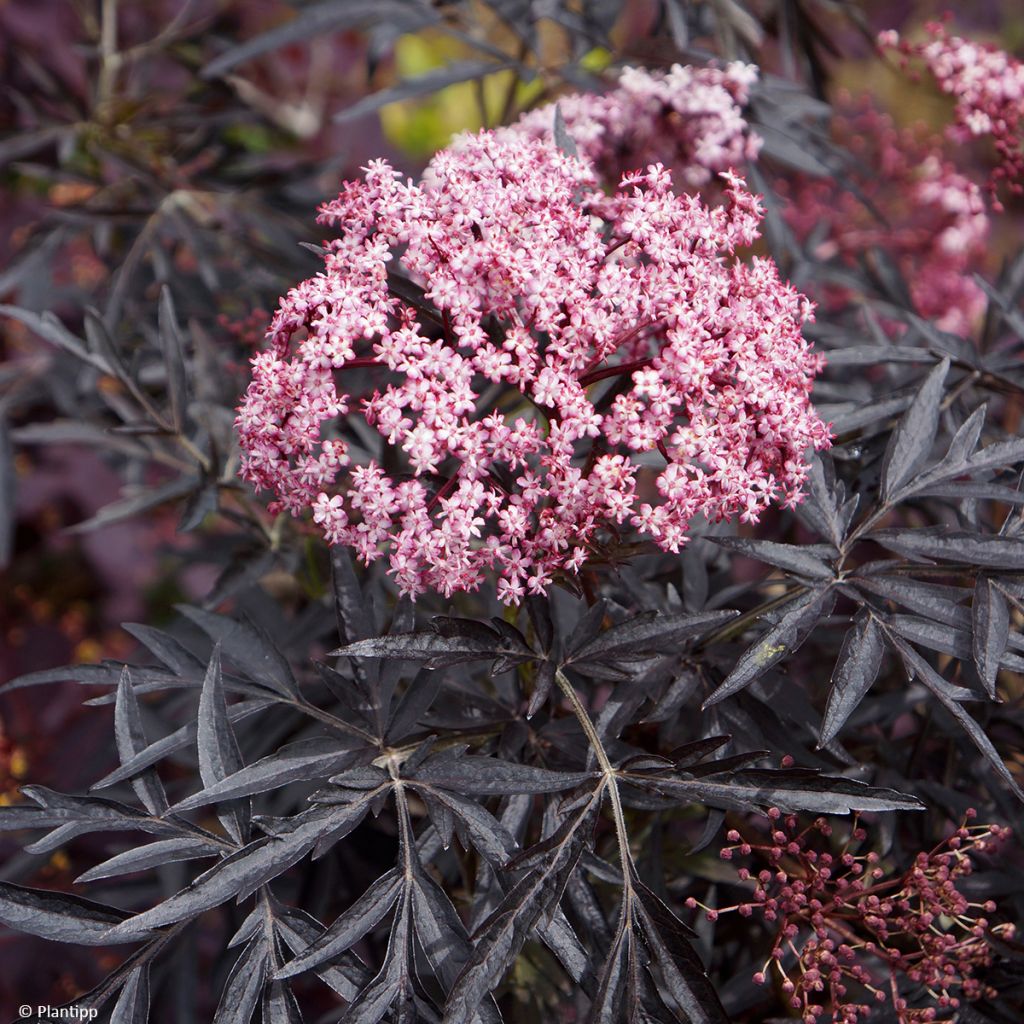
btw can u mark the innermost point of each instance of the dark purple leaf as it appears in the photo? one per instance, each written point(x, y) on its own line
point(363, 916)
point(807, 560)
point(423, 85)
point(61, 916)
point(280, 1005)
point(787, 788)
point(799, 617)
point(183, 737)
point(131, 740)
point(913, 437)
point(241, 992)
point(301, 761)
point(245, 870)
point(956, 546)
point(132, 1006)
point(248, 647)
point(219, 755)
point(991, 619)
point(918, 668)
point(680, 968)
point(319, 19)
point(500, 938)
point(856, 669)
point(645, 636)
point(489, 776)
point(153, 855)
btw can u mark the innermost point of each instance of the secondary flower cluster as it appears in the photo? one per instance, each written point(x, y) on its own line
point(541, 365)
point(910, 202)
point(688, 118)
point(842, 921)
point(988, 86)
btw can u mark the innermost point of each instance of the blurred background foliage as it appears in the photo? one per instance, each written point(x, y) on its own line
point(160, 164)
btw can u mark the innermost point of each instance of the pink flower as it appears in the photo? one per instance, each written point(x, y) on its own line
point(688, 118)
point(988, 86)
point(927, 216)
point(559, 365)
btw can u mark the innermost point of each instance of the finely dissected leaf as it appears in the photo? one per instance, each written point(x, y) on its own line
point(245, 870)
point(392, 987)
point(501, 936)
point(219, 755)
point(132, 1006)
point(806, 560)
point(61, 916)
point(681, 970)
point(423, 85)
point(451, 642)
point(946, 640)
point(280, 1005)
point(873, 355)
point(177, 658)
point(100, 342)
point(859, 661)
point(617, 999)
point(48, 326)
point(912, 439)
point(72, 816)
point(131, 740)
point(991, 615)
point(320, 18)
point(417, 700)
point(248, 647)
point(645, 636)
point(241, 993)
point(137, 500)
point(930, 600)
point(363, 916)
point(791, 789)
point(298, 931)
point(956, 546)
point(152, 855)
point(178, 739)
point(355, 621)
point(826, 510)
point(779, 642)
point(303, 760)
point(491, 776)
point(477, 827)
point(438, 927)
point(919, 668)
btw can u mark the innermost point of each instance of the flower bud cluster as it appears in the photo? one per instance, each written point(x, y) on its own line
point(988, 86)
point(849, 933)
point(688, 118)
point(503, 366)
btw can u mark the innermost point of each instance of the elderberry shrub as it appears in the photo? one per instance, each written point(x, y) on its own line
point(639, 479)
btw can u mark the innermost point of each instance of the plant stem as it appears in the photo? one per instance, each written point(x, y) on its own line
point(609, 772)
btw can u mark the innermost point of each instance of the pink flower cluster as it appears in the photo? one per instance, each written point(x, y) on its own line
point(688, 118)
point(988, 86)
point(834, 909)
point(540, 366)
point(913, 204)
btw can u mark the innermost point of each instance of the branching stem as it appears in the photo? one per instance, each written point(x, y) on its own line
point(611, 779)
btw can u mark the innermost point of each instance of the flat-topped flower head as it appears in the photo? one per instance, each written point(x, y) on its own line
point(910, 202)
point(502, 367)
point(688, 118)
point(988, 86)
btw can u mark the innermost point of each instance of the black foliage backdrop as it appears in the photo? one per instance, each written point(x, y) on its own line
point(328, 803)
